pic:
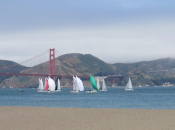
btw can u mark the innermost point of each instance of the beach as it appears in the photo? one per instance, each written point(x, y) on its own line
point(45, 118)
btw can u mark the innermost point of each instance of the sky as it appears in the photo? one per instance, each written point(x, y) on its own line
point(115, 31)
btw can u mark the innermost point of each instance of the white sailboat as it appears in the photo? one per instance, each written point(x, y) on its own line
point(80, 84)
point(75, 86)
point(98, 84)
point(103, 86)
point(129, 86)
point(51, 83)
point(58, 89)
point(40, 87)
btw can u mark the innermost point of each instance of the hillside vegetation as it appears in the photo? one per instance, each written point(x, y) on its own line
point(9, 67)
point(144, 73)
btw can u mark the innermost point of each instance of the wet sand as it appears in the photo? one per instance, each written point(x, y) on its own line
point(35, 118)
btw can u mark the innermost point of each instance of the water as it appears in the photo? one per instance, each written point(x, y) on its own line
point(140, 98)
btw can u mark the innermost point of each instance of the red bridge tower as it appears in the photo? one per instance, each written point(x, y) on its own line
point(52, 63)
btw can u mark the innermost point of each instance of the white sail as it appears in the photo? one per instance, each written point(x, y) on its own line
point(45, 83)
point(77, 83)
point(80, 84)
point(104, 85)
point(42, 87)
point(39, 87)
point(58, 85)
point(129, 85)
point(74, 84)
point(98, 84)
point(51, 84)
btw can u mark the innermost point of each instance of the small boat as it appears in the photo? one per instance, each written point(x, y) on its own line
point(51, 83)
point(75, 86)
point(41, 87)
point(21, 90)
point(103, 86)
point(94, 88)
point(129, 86)
point(80, 84)
point(48, 87)
point(58, 86)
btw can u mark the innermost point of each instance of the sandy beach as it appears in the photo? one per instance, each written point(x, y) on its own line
point(35, 118)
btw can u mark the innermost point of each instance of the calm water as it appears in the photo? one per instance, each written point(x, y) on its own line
point(146, 98)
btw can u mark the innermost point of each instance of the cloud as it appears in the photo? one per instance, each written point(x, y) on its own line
point(127, 42)
point(113, 30)
point(31, 15)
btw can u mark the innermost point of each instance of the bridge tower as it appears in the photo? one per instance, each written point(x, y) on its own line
point(52, 63)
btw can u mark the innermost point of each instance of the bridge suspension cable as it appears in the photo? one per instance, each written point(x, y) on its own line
point(46, 56)
point(34, 61)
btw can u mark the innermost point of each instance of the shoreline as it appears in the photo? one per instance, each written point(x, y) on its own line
point(35, 118)
point(87, 108)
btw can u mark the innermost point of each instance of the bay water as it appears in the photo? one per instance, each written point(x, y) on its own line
point(140, 98)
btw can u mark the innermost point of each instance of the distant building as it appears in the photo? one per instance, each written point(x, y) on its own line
point(167, 84)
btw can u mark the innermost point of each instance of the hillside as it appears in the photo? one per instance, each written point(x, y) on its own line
point(144, 73)
point(69, 64)
point(149, 72)
point(9, 67)
point(83, 64)
point(148, 66)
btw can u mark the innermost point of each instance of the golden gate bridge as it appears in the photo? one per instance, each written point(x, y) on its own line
point(48, 55)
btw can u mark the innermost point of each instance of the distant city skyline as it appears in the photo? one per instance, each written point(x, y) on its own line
point(112, 30)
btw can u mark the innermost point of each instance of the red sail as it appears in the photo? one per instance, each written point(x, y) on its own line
point(47, 85)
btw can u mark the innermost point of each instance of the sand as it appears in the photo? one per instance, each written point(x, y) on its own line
point(35, 118)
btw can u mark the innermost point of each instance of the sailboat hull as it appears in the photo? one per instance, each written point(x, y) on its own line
point(74, 91)
point(51, 92)
point(103, 90)
point(41, 91)
point(91, 91)
point(129, 89)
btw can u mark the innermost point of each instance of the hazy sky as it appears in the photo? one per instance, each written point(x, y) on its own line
point(112, 30)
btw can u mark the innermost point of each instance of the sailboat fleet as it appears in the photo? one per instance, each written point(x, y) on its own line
point(51, 86)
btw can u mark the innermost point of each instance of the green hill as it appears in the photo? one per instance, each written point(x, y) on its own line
point(69, 64)
point(149, 72)
point(144, 73)
point(9, 67)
